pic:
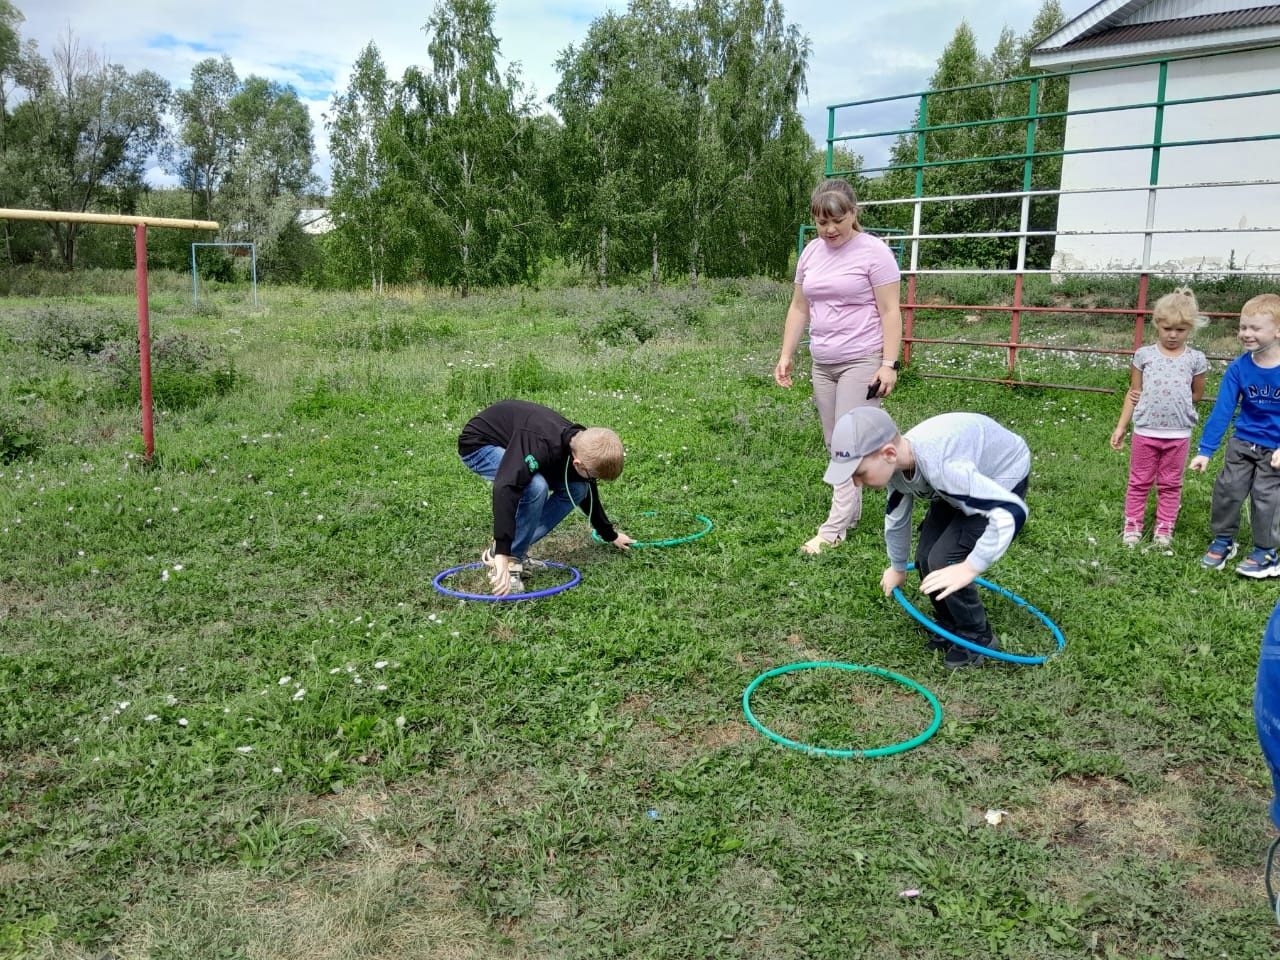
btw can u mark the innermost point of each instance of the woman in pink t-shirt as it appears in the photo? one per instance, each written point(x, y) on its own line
point(846, 293)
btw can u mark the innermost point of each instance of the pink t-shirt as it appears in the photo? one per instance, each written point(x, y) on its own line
point(839, 283)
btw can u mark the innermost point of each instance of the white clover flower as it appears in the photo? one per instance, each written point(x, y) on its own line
point(276, 770)
point(379, 664)
point(150, 717)
point(284, 681)
point(380, 687)
point(300, 693)
point(164, 574)
point(177, 567)
point(335, 670)
point(244, 749)
point(170, 699)
point(400, 722)
point(182, 721)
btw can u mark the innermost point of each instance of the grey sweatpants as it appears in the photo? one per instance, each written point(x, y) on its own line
point(837, 389)
point(1247, 472)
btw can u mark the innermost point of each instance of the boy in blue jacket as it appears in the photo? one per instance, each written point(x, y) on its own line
point(1251, 463)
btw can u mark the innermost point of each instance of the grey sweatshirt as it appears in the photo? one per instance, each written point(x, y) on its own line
point(971, 462)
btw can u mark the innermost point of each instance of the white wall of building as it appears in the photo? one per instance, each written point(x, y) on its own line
point(1237, 208)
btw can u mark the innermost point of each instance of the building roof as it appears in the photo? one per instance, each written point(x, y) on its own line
point(1123, 29)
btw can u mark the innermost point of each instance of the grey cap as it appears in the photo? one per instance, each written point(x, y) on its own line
point(861, 431)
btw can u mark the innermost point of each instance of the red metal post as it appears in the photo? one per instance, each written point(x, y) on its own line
point(1139, 317)
point(909, 320)
point(144, 339)
point(1015, 323)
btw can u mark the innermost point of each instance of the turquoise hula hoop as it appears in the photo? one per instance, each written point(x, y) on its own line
point(977, 647)
point(832, 751)
point(707, 527)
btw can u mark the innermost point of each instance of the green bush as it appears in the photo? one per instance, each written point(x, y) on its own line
point(184, 371)
point(67, 331)
point(621, 325)
point(20, 437)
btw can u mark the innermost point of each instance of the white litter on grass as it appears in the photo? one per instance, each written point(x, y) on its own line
point(906, 894)
point(996, 817)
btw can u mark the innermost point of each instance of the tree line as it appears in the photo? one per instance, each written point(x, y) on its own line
point(677, 150)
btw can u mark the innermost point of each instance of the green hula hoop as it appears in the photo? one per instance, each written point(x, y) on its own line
point(708, 526)
point(830, 751)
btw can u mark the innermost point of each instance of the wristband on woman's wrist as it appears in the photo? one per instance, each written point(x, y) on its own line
point(891, 364)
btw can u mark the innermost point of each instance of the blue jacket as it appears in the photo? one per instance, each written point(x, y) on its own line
point(1266, 705)
point(1256, 390)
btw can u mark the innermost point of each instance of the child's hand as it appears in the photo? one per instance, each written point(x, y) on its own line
point(1133, 396)
point(1198, 464)
point(891, 580)
point(1275, 459)
point(941, 584)
point(500, 575)
point(1117, 439)
point(623, 542)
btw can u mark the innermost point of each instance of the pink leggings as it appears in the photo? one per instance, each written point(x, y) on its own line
point(1159, 461)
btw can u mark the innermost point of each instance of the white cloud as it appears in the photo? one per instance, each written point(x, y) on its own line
point(887, 49)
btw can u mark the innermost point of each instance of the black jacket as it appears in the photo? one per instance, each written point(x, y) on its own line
point(536, 440)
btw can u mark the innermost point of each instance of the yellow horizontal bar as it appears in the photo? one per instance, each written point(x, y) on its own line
point(108, 218)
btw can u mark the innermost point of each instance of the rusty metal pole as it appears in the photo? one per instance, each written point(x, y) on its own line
point(144, 340)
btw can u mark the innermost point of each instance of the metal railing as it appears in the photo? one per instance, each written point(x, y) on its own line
point(1031, 121)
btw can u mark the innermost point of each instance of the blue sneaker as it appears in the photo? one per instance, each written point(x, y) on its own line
point(1220, 551)
point(1260, 563)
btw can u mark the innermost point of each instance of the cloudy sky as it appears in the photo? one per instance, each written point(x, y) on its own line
point(888, 47)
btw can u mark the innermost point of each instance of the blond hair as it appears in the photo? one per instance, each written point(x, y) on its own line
point(1179, 309)
point(832, 199)
point(599, 449)
point(1268, 303)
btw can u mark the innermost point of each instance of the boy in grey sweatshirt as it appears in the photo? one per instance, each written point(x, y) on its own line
point(974, 474)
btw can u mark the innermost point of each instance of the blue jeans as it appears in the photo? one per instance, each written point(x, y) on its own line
point(541, 508)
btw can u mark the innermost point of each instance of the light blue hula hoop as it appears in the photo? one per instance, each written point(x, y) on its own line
point(708, 526)
point(831, 751)
point(977, 647)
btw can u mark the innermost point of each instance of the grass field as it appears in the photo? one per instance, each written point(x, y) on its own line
point(237, 721)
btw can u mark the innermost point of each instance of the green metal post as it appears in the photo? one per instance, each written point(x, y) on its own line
point(1015, 315)
point(831, 140)
point(909, 311)
point(1139, 320)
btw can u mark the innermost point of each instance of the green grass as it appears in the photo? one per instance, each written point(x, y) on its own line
point(370, 769)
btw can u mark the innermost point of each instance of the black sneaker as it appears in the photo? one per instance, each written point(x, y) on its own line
point(935, 641)
point(959, 657)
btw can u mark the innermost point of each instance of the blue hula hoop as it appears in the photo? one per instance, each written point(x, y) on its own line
point(669, 541)
point(438, 583)
point(977, 647)
point(832, 751)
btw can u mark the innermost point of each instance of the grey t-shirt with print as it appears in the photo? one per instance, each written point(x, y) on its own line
point(1165, 409)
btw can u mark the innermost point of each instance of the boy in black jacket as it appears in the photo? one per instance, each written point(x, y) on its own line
point(541, 466)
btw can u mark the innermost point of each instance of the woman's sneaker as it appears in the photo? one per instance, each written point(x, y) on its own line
point(1220, 551)
point(1260, 563)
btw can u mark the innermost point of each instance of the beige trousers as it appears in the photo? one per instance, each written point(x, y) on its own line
point(837, 389)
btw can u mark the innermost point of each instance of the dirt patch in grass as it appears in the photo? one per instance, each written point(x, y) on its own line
point(1103, 820)
point(380, 900)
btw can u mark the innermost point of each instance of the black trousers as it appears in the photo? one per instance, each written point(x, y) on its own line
point(947, 536)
